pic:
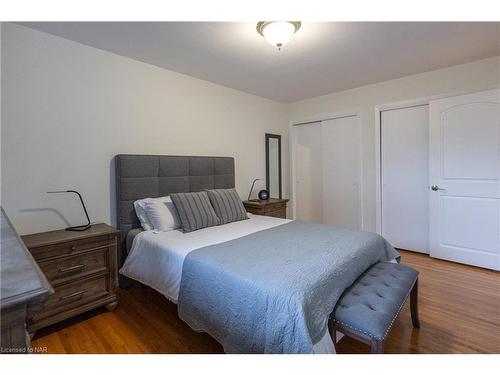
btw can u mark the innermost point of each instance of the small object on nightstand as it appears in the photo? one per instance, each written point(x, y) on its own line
point(263, 195)
point(82, 268)
point(270, 207)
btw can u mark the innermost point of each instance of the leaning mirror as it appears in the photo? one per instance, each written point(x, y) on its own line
point(273, 165)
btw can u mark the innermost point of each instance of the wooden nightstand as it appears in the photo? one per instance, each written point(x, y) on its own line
point(82, 269)
point(271, 207)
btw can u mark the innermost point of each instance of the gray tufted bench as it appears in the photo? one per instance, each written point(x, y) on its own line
point(367, 309)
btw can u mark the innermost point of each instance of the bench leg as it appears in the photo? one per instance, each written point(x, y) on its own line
point(414, 305)
point(377, 346)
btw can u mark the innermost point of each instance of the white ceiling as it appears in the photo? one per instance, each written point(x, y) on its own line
point(322, 58)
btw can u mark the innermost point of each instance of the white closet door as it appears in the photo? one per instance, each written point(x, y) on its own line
point(405, 175)
point(465, 179)
point(341, 153)
point(308, 173)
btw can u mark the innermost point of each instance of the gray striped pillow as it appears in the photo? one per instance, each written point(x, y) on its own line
point(227, 205)
point(195, 211)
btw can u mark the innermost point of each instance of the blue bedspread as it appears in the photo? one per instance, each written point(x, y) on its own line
point(272, 291)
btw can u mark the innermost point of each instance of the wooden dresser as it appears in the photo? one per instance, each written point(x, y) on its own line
point(270, 207)
point(82, 268)
point(23, 287)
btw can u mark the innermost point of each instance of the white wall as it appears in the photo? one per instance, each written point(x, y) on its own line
point(69, 108)
point(473, 76)
point(0, 112)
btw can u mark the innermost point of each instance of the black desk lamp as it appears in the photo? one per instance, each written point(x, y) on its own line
point(77, 228)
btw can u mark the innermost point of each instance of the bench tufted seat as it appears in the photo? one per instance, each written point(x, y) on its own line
point(370, 306)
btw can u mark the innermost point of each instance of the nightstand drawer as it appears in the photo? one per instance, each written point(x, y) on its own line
point(72, 295)
point(82, 268)
point(281, 213)
point(275, 207)
point(271, 207)
point(74, 266)
point(69, 248)
point(254, 211)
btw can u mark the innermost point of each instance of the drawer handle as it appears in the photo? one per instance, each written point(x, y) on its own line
point(71, 269)
point(72, 295)
point(73, 248)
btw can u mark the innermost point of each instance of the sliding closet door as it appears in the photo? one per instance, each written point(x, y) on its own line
point(328, 170)
point(404, 163)
point(341, 154)
point(308, 172)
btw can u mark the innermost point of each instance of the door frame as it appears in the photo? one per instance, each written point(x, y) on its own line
point(356, 112)
point(379, 108)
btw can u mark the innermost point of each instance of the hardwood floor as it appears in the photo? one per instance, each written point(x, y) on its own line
point(459, 313)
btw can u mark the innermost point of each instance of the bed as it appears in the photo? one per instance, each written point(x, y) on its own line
point(216, 273)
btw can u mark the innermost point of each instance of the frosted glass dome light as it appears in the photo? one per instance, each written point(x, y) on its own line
point(278, 33)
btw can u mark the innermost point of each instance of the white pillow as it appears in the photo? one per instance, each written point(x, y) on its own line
point(141, 215)
point(161, 213)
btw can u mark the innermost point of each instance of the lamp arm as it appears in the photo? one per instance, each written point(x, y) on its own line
point(251, 189)
point(77, 227)
point(83, 204)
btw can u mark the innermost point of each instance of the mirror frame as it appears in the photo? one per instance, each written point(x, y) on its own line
point(278, 137)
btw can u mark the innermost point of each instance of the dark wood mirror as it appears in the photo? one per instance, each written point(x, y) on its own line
point(273, 165)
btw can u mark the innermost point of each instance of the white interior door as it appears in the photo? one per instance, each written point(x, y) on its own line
point(464, 172)
point(308, 172)
point(405, 177)
point(341, 154)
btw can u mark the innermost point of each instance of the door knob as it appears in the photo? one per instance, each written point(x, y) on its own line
point(436, 188)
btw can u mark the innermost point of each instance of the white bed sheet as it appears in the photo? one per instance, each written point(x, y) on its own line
point(156, 258)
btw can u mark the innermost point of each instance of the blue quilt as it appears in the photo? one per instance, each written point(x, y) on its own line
point(272, 291)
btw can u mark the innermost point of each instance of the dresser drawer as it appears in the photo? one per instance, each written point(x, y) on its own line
point(69, 248)
point(72, 295)
point(70, 267)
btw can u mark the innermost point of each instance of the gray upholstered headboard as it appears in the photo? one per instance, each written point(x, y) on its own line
point(142, 176)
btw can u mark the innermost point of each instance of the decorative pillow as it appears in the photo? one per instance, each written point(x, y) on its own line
point(141, 214)
point(161, 213)
point(227, 205)
point(195, 210)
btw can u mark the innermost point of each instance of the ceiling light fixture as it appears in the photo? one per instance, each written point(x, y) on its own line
point(278, 33)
